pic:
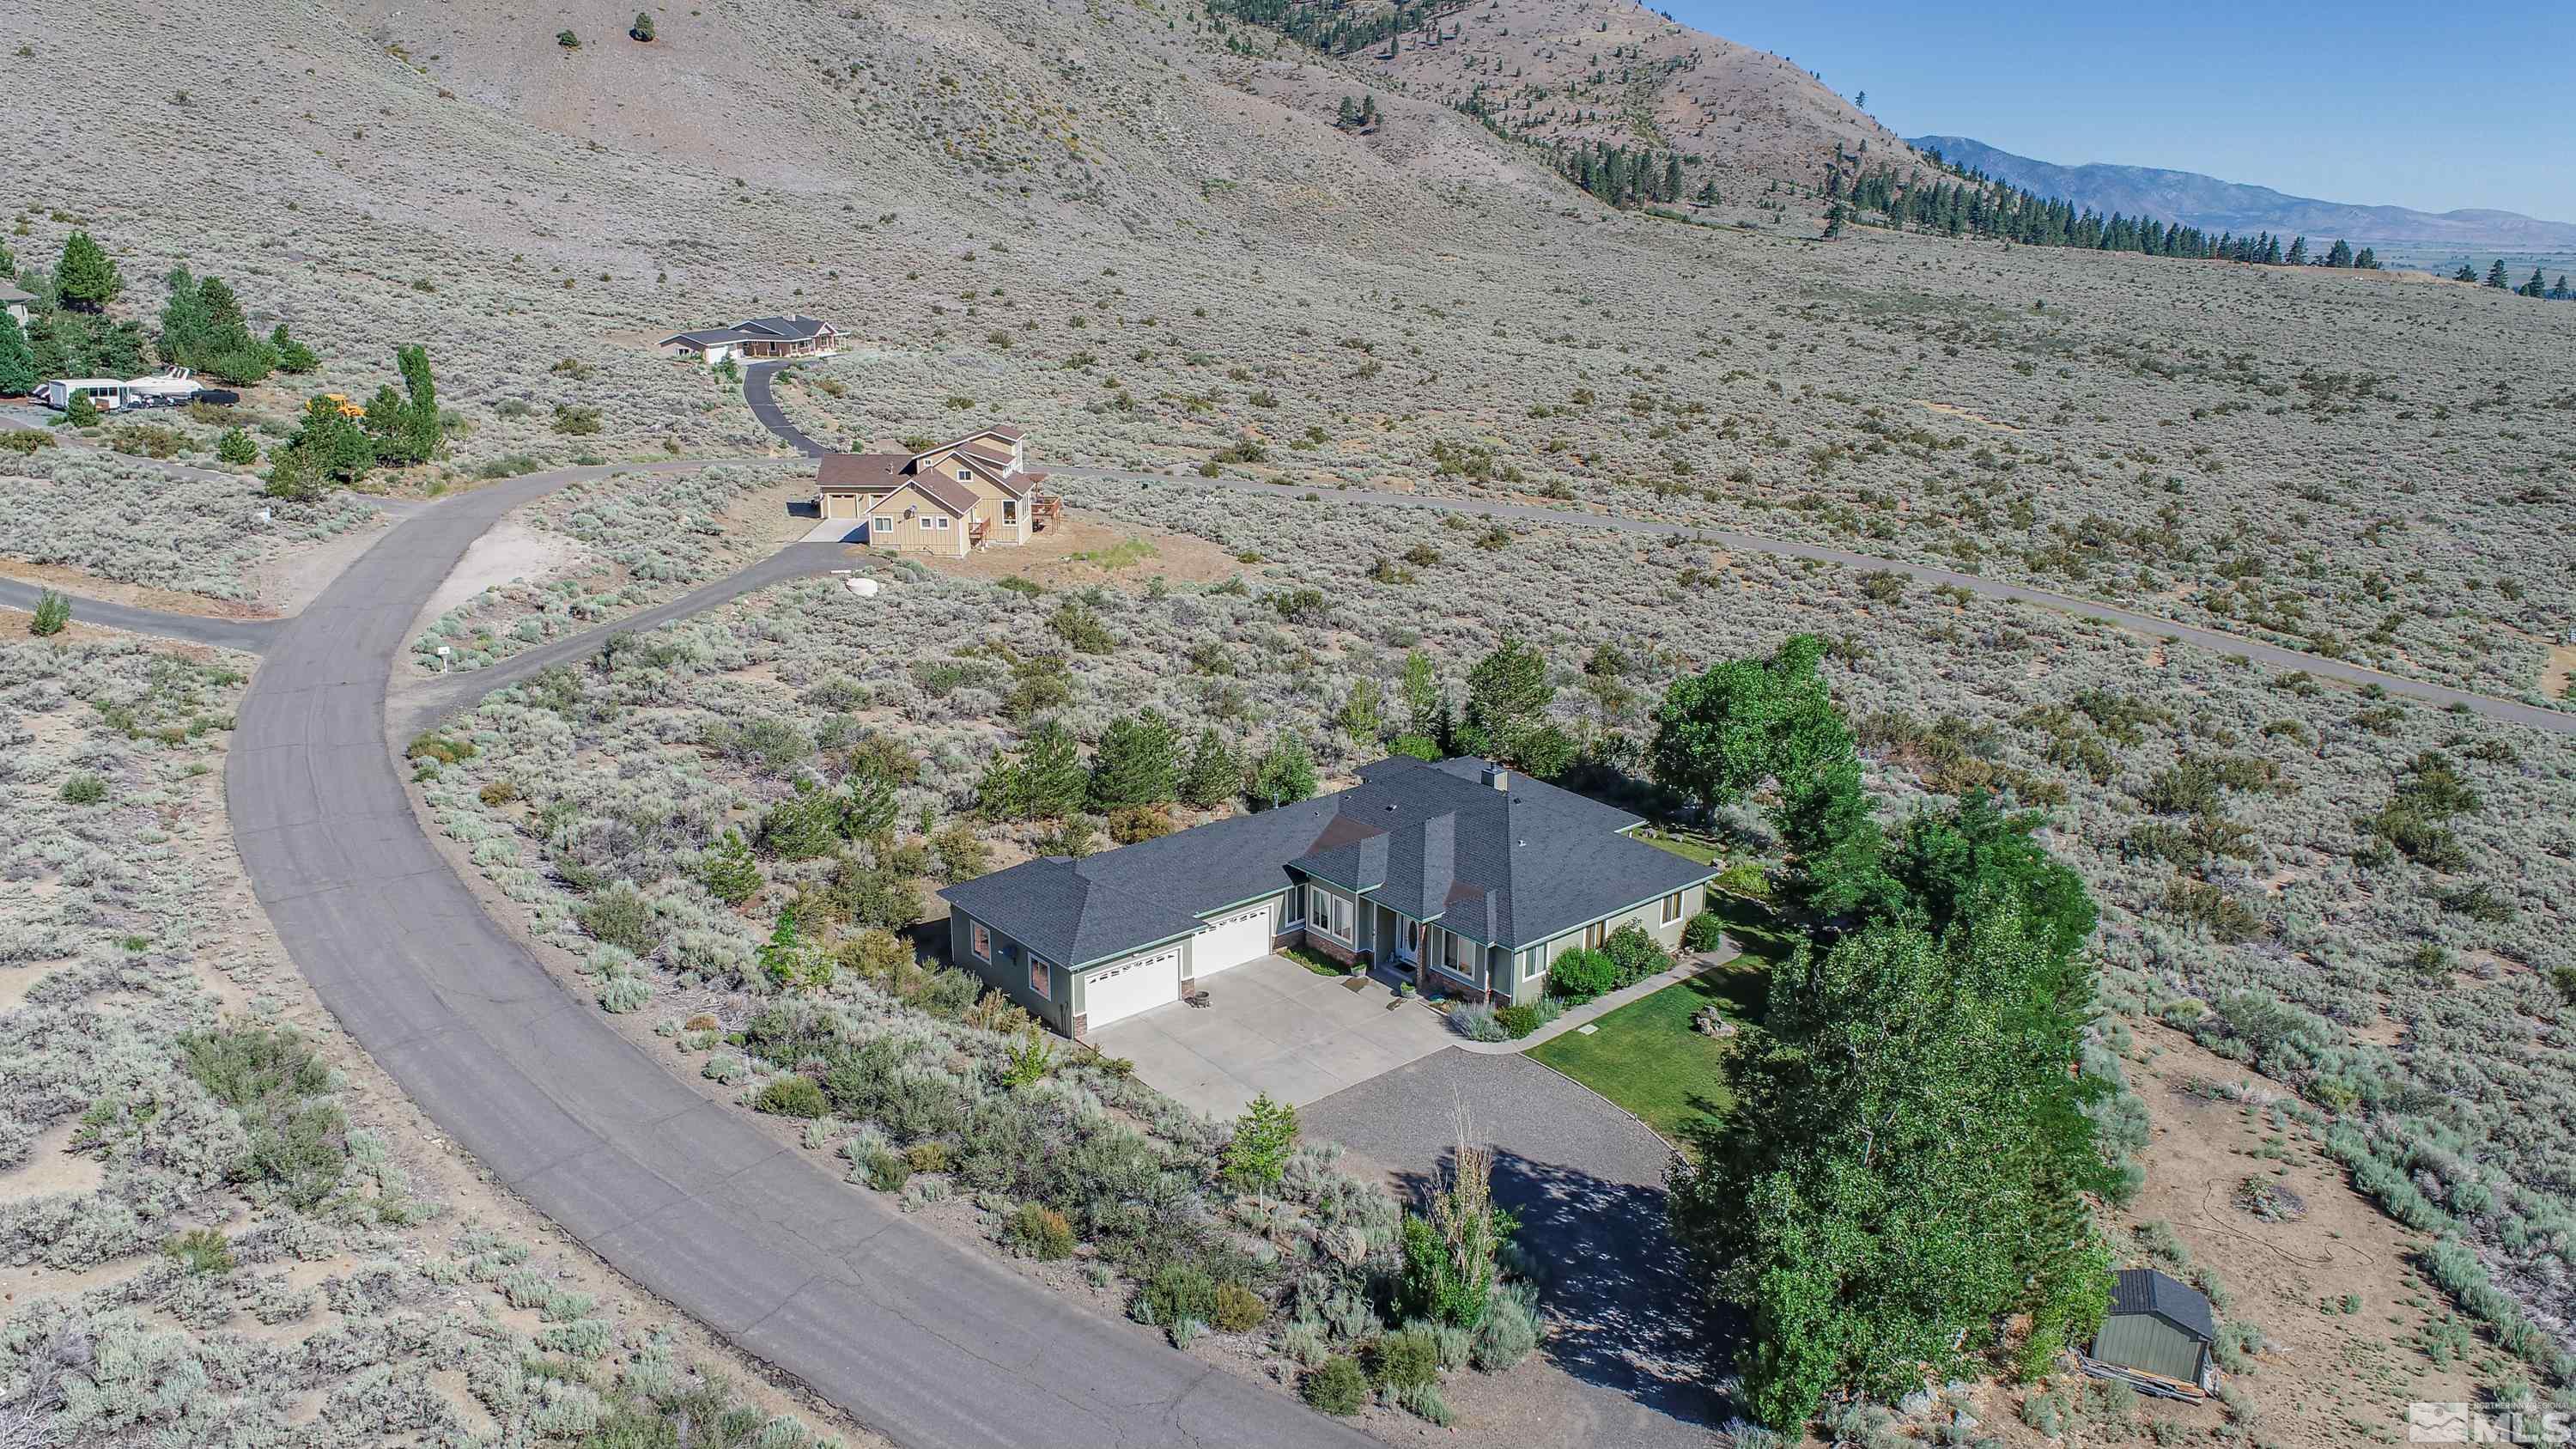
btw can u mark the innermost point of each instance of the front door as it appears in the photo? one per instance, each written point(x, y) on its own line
point(1408, 939)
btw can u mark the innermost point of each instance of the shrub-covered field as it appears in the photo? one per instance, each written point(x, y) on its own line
point(218, 1226)
point(2364, 898)
point(644, 537)
point(126, 520)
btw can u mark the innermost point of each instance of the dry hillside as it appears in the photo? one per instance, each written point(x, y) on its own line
point(1138, 232)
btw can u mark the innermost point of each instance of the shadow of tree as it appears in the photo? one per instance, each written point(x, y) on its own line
point(1625, 1312)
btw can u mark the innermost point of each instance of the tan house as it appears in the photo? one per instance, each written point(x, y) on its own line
point(963, 494)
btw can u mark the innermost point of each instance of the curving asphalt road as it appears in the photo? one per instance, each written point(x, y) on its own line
point(2510, 711)
point(252, 635)
point(417, 707)
point(755, 391)
point(919, 1338)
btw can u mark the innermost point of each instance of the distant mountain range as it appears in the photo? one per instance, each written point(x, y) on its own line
point(2230, 206)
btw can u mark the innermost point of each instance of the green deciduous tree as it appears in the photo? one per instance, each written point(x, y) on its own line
point(1905, 1166)
point(86, 279)
point(332, 443)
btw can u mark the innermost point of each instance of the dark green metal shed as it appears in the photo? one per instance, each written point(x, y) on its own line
point(2158, 1325)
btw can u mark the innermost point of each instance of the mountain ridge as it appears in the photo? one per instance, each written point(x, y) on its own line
point(2213, 204)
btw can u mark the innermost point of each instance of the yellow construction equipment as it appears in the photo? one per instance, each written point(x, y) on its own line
point(341, 401)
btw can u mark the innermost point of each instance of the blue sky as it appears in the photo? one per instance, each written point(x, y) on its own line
point(2422, 106)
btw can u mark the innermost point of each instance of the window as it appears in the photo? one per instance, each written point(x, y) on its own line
point(942, 524)
point(1672, 908)
point(1293, 910)
point(885, 521)
point(925, 523)
point(1530, 960)
point(1041, 976)
point(1342, 917)
point(1010, 511)
point(1595, 934)
point(983, 941)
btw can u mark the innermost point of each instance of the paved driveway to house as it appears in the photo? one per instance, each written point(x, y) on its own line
point(1625, 1361)
point(1273, 1026)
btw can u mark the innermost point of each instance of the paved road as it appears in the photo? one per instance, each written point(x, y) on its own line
point(247, 634)
point(2510, 711)
point(1587, 1181)
point(755, 391)
point(417, 707)
point(925, 1341)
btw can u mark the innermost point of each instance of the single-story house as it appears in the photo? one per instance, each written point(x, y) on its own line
point(2160, 1326)
point(978, 481)
point(1463, 876)
point(15, 301)
point(758, 339)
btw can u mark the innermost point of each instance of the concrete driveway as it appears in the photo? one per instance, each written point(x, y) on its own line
point(1273, 1026)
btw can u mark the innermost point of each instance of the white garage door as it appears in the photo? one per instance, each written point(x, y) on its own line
point(1231, 940)
point(1112, 992)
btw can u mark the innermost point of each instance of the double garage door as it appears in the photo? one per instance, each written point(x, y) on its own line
point(1231, 940)
point(1113, 993)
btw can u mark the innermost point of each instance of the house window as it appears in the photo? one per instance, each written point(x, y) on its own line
point(1040, 977)
point(885, 521)
point(1530, 960)
point(1672, 908)
point(983, 942)
point(1342, 917)
point(1010, 511)
point(1293, 910)
point(1595, 934)
point(942, 524)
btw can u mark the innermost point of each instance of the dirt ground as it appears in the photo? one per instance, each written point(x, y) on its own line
point(170, 601)
point(511, 550)
point(1120, 555)
point(2323, 1376)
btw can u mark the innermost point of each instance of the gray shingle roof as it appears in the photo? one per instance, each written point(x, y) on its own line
point(783, 326)
point(2144, 1290)
point(1503, 866)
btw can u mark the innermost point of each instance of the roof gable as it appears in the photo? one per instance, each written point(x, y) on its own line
point(2145, 1290)
point(864, 471)
point(952, 500)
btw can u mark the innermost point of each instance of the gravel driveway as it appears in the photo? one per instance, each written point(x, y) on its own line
point(1624, 1362)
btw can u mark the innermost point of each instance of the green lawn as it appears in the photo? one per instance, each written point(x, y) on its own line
point(1646, 1058)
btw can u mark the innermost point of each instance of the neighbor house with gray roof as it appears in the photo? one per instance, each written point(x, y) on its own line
point(1461, 876)
point(757, 339)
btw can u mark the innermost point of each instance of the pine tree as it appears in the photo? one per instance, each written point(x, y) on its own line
point(2466, 273)
point(1287, 773)
point(1349, 115)
point(292, 356)
point(2340, 254)
point(2366, 260)
point(333, 443)
point(2495, 275)
point(2298, 256)
point(729, 872)
point(1214, 774)
point(2538, 286)
point(86, 278)
point(1135, 764)
point(18, 374)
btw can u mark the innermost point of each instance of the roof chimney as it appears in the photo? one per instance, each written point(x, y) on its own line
point(1498, 777)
